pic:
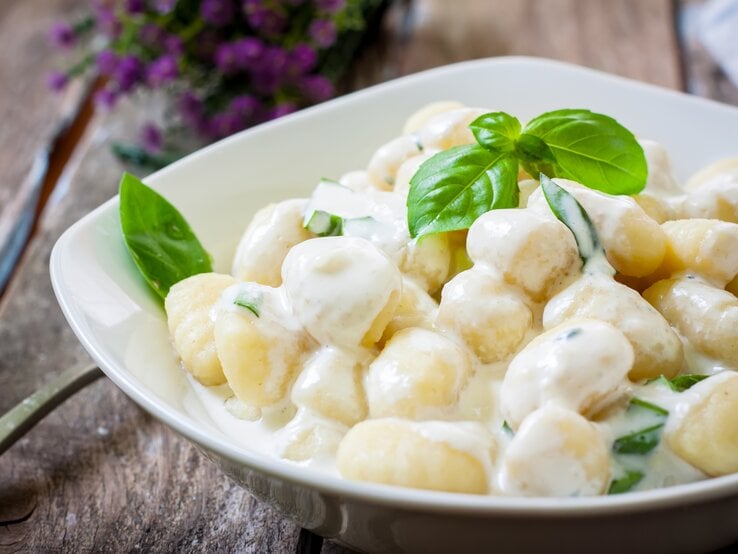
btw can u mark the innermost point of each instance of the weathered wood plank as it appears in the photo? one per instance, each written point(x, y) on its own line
point(100, 475)
point(30, 116)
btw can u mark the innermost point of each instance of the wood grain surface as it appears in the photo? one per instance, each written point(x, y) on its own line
point(30, 117)
point(100, 475)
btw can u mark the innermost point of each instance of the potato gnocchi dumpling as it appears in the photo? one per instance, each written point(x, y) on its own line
point(657, 348)
point(434, 455)
point(706, 315)
point(489, 318)
point(343, 290)
point(580, 365)
point(330, 385)
point(556, 452)
point(418, 375)
point(188, 306)
point(496, 358)
point(707, 435)
point(528, 250)
point(274, 230)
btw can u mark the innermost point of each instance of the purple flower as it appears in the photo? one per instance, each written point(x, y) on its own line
point(105, 98)
point(301, 59)
point(106, 62)
point(151, 34)
point(316, 88)
point(224, 124)
point(162, 70)
point(61, 35)
point(323, 32)
point(217, 12)
point(191, 110)
point(226, 58)
point(330, 6)
point(106, 21)
point(282, 109)
point(56, 81)
point(265, 82)
point(151, 138)
point(248, 51)
point(128, 73)
point(164, 6)
point(266, 21)
point(135, 6)
point(245, 106)
point(174, 45)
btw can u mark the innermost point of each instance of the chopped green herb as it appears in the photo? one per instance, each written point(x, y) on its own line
point(684, 382)
point(571, 213)
point(639, 442)
point(625, 483)
point(640, 403)
point(250, 299)
point(324, 224)
point(507, 429)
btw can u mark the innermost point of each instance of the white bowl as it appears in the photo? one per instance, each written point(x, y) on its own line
point(122, 325)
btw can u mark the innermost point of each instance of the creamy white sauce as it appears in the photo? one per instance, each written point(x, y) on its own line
point(335, 288)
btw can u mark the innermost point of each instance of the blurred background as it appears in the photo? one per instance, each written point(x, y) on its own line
point(90, 87)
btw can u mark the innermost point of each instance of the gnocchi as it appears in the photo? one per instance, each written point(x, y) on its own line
point(500, 357)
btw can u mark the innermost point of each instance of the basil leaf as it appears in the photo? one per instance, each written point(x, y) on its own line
point(251, 300)
point(639, 442)
point(570, 212)
point(161, 242)
point(625, 483)
point(456, 186)
point(589, 148)
point(684, 382)
point(639, 403)
point(497, 132)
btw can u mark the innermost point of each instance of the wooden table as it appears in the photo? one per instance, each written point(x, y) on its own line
point(99, 474)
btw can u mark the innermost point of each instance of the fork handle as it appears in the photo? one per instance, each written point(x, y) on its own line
point(19, 420)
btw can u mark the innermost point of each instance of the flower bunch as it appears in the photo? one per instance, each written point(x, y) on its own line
point(226, 64)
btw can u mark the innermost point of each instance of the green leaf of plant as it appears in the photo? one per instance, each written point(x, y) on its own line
point(497, 131)
point(639, 442)
point(684, 382)
point(590, 148)
point(161, 242)
point(571, 213)
point(456, 186)
point(625, 483)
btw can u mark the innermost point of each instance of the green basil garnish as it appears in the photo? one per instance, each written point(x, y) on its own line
point(587, 147)
point(625, 483)
point(570, 212)
point(324, 224)
point(454, 187)
point(161, 242)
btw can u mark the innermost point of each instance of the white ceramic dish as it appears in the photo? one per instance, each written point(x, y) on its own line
point(122, 325)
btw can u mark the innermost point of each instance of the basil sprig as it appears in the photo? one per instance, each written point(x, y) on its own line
point(454, 187)
point(250, 299)
point(161, 242)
